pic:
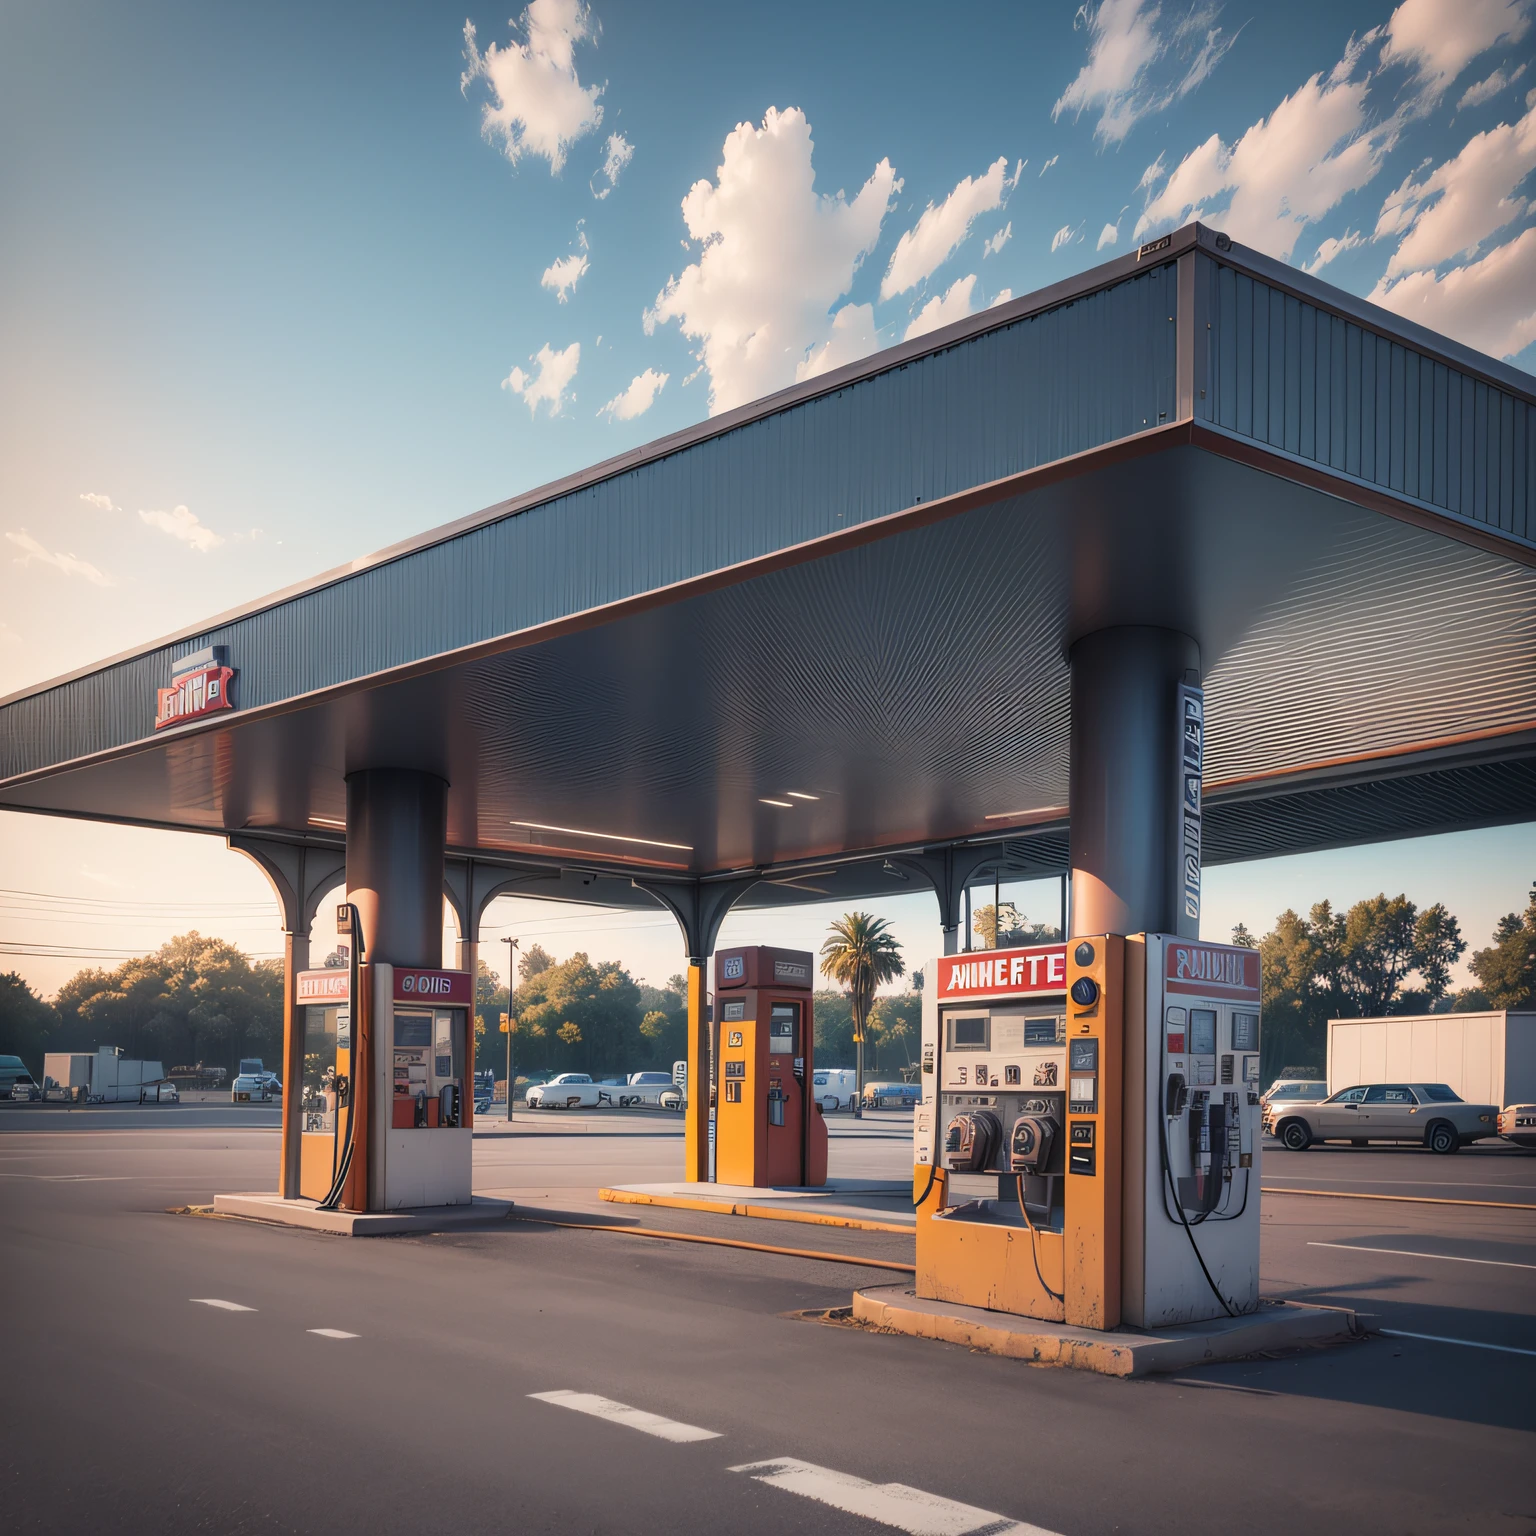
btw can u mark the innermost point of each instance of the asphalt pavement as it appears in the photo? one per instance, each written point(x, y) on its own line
point(183, 1373)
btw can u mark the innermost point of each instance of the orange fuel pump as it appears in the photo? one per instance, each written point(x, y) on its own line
point(768, 1127)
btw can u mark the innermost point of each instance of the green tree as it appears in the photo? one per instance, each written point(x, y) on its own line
point(834, 1029)
point(860, 954)
point(1356, 964)
point(1017, 930)
point(534, 962)
point(894, 1026)
point(1506, 970)
point(27, 1023)
point(601, 1002)
point(193, 999)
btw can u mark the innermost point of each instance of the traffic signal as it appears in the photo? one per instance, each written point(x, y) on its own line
point(506, 1027)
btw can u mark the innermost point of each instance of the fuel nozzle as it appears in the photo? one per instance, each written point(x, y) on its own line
point(970, 1140)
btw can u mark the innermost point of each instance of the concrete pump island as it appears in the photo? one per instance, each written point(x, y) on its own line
point(1188, 560)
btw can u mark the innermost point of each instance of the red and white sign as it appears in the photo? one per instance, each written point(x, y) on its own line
point(1211, 970)
point(1004, 973)
point(451, 988)
point(327, 986)
point(201, 684)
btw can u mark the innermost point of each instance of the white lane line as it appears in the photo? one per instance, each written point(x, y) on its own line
point(893, 1504)
point(223, 1306)
point(1435, 1338)
point(622, 1413)
point(1409, 1253)
point(331, 1333)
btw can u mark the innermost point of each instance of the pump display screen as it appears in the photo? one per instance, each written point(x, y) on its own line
point(1245, 1031)
point(413, 1030)
point(783, 1025)
point(968, 1034)
point(1202, 1031)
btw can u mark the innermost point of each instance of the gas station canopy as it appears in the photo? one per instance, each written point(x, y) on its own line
point(832, 626)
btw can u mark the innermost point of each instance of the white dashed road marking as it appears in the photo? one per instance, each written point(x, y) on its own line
point(893, 1504)
point(332, 1333)
point(1435, 1338)
point(622, 1413)
point(1408, 1253)
point(225, 1306)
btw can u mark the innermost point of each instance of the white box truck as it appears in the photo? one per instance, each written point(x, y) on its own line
point(1487, 1058)
point(107, 1077)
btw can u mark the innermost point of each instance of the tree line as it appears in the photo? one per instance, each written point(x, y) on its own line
point(198, 999)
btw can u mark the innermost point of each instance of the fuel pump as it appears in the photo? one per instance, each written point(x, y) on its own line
point(1086, 1147)
point(1192, 1151)
point(411, 1145)
point(769, 1129)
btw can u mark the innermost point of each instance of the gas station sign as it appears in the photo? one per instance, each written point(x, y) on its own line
point(201, 684)
point(327, 986)
point(446, 988)
point(1005, 972)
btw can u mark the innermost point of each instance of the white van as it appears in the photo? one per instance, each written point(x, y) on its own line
point(834, 1087)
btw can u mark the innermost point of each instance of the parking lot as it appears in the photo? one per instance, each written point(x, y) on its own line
point(190, 1373)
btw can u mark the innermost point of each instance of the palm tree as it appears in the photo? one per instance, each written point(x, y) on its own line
point(860, 953)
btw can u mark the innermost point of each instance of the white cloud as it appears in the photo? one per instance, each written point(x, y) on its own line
point(1437, 39)
point(955, 305)
point(184, 525)
point(1109, 235)
point(1048, 164)
point(547, 384)
point(1285, 172)
point(101, 503)
point(998, 241)
point(853, 336)
point(1002, 298)
point(1331, 247)
point(619, 152)
point(562, 276)
point(539, 106)
point(941, 230)
point(1490, 304)
point(638, 398)
point(776, 254)
point(71, 565)
point(1063, 236)
point(1462, 202)
point(1136, 69)
point(1486, 90)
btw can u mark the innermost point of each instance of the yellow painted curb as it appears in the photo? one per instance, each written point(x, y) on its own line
point(763, 1212)
point(725, 1242)
point(1335, 1194)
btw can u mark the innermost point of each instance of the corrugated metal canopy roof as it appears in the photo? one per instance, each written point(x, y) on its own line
point(857, 597)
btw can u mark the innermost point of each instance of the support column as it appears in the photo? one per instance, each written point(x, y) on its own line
point(397, 822)
point(696, 1107)
point(295, 959)
point(1126, 785)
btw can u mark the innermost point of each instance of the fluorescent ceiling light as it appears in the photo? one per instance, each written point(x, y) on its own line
point(795, 794)
point(1039, 811)
point(609, 837)
point(327, 821)
point(785, 805)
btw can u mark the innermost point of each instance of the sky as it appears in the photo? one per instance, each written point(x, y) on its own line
point(280, 285)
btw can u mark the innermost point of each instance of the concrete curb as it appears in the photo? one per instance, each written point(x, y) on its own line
point(727, 1207)
point(1123, 1352)
point(276, 1211)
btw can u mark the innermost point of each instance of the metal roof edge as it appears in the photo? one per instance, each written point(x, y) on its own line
point(1106, 275)
point(1373, 317)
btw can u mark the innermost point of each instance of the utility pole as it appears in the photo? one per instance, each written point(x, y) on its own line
point(506, 1018)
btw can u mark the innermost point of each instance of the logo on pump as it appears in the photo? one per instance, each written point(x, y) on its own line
point(733, 967)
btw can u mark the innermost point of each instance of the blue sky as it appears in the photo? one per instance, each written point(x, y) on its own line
point(280, 285)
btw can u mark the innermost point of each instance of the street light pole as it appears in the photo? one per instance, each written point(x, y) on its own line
point(511, 981)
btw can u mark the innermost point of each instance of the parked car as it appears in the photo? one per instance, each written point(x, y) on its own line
point(12, 1068)
point(1517, 1124)
point(252, 1066)
point(1427, 1113)
point(834, 1088)
point(24, 1090)
point(159, 1093)
point(644, 1088)
point(568, 1090)
point(249, 1089)
point(1294, 1091)
point(891, 1095)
